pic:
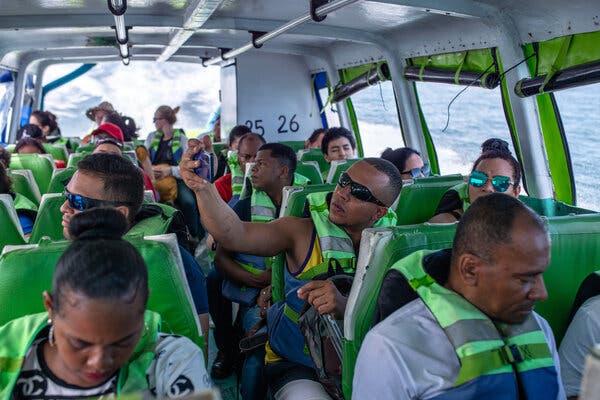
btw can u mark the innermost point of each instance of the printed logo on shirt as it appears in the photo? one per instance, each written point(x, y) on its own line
point(182, 386)
point(31, 383)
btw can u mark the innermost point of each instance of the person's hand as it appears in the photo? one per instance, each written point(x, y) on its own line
point(162, 171)
point(211, 245)
point(324, 297)
point(187, 165)
point(263, 301)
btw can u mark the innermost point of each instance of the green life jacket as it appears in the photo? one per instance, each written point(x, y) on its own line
point(17, 336)
point(483, 347)
point(175, 147)
point(334, 241)
point(23, 203)
point(463, 193)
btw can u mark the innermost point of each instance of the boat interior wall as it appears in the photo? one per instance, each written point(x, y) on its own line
point(263, 84)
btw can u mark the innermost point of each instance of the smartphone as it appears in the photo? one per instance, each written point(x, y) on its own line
point(205, 170)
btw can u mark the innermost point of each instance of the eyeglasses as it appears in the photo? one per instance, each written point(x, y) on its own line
point(500, 183)
point(82, 203)
point(425, 170)
point(359, 191)
point(156, 119)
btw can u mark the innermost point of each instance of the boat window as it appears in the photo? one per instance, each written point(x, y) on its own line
point(6, 98)
point(330, 109)
point(192, 87)
point(476, 115)
point(581, 121)
point(377, 116)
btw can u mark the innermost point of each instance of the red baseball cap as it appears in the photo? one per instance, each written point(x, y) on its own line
point(111, 129)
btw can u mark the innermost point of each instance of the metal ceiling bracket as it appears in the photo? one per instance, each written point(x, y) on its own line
point(256, 35)
point(314, 4)
point(127, 28)
point(117, 7)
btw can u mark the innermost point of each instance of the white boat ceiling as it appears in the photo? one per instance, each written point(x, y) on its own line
point(179, 30)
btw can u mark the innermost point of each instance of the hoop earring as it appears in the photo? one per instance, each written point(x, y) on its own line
point(51, 333)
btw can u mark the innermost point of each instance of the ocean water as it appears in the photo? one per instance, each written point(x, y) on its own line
point(477, 114)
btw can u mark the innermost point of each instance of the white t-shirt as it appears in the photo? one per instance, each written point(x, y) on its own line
point(583, 333)
point(177, 369)
point(408, 356)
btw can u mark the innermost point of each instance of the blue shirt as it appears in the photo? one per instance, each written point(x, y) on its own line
point(196, 281)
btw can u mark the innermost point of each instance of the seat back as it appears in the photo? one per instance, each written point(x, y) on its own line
point(292, 204)
point(574, 255)
point(57, 151)
point(379, 250)
point(315, 155)
point(24, 184)
point(310, 171)
point(418, 200)
point(11, 232)
point(74, 158)
point(27, 270)
point(552, 208)
point(41, 167)
point(49, 219)
point(337, 167)
point(58, 178)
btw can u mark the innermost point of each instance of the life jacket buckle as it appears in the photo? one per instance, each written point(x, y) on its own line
point(511, 354)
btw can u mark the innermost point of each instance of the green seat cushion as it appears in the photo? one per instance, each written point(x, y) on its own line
point(56, 183)
point(40, 166)
point(49, 219)
point(311, 172)
point(28, 271)
point(11, 233)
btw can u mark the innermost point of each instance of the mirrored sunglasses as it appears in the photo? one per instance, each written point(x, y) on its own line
point(424, 171)
point(82, 203)
point(500, 183)
point(359, 191)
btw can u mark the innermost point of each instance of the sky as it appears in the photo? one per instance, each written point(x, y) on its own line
point(135, 90)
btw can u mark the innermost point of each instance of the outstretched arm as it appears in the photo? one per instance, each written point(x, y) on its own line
point(221, 221)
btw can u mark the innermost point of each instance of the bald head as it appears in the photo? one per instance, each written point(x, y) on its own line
point(389, 192)
point(489, 222)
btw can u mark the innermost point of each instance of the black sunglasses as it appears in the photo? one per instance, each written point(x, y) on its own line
point(359, 191)
point(82, 203)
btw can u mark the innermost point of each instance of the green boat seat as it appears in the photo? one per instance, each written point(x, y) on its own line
point(314, 155)
point(57, 151)
point(27, 270)
point(292, 204)
point(74, 158)
point(49, 219)
point(11, 232)
point(337, 167)
point(40, 166)
point(380, 248)
point(419, 200)
point(85, 148)
point(24, 184)
point(310, 171)
point(574, 255)
point(58, 178)
point(553, 208)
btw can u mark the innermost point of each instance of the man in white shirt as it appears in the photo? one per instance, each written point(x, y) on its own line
point(470, 332)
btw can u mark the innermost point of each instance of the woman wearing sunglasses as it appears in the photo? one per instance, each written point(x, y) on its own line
point(408, 161)
point(496, 170)
point(96, 338)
